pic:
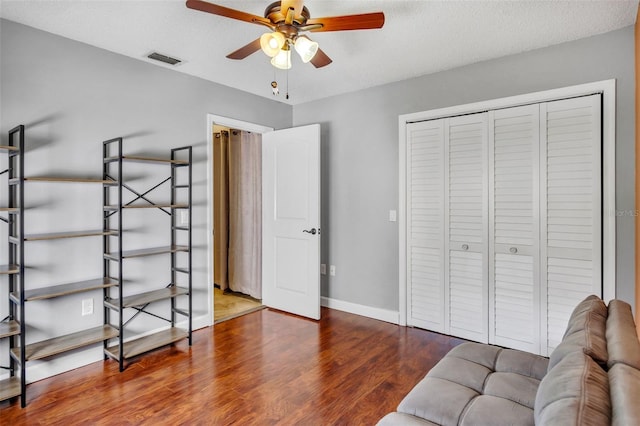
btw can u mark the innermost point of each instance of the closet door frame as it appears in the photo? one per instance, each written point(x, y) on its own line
point(607, 88)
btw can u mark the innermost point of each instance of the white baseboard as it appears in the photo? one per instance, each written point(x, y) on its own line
point(362, 310)
point(203, 321)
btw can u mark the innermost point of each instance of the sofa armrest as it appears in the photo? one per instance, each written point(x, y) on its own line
point(624, 383)
point(622, 340)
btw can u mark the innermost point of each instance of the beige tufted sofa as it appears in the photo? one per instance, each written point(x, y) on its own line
point(591, 378)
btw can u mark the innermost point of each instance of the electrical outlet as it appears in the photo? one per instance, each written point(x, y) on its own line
point(87, 307)
point(323, 269)
point(332, 270)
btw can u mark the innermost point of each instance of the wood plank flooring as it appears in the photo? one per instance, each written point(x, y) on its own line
point(264, 368)
point(231, 305)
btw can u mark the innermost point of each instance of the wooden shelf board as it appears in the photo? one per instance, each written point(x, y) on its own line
point(143, 159)
point(66, 289)
point(9, 269)
point(71, 234)
point(148, 206)
point(9, 328)
point(9, 148)
point(148, 297)
point(9, 209)
point(10, 388)
point(58, 345)
point(146, 252)
point(148, 343)
point(66, 179)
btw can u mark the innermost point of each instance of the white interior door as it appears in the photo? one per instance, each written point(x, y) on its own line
point(571, 228)
point(425, 225)
point(291, 220)
point(514, 234)
point(466, 227)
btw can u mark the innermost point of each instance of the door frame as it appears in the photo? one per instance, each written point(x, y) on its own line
point(608, 90)
point(233, 123)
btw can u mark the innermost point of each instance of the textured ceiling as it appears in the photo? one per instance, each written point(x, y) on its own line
point(419, 37)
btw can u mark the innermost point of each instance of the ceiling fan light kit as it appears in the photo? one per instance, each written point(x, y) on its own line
point(282, 60)
point(306, 48)
point(271, 43)
point(285, 20)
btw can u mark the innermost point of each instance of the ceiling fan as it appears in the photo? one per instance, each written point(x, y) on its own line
point(287, 19)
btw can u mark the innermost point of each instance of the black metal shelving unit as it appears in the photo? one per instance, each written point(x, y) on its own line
point(21, 350)
point(114, 254)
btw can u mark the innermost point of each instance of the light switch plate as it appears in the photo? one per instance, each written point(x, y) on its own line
point(393, 215)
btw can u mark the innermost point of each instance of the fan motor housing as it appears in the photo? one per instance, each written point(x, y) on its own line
point(274, 13)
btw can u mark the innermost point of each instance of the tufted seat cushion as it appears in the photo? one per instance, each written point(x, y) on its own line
point(473, 382)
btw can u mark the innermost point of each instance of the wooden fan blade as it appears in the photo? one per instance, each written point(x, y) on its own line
point(363, 21)
point(245, 51)
point(296, 5)
point(320, 59)
point(204, 6)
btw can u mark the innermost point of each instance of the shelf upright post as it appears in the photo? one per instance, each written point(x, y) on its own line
point(175, 227)
point(120, 265)
point(106, 246)
point(16, 250)
point(190, 245)
point(174, 223)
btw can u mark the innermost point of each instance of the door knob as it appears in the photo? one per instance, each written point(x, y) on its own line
point(311, 231)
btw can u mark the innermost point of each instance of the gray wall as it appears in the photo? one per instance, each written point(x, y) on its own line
point(71, 97)
point(360, 154)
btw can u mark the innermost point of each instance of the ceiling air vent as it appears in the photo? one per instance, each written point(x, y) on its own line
point(163, 58)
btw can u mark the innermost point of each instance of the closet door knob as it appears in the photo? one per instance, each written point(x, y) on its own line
point(465, 247)
point(311, 231)
point(513, 250)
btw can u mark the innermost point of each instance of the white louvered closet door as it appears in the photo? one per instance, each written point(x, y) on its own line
point(466, 227)
point(425, 225)
point(571, 214)
point(514, 260)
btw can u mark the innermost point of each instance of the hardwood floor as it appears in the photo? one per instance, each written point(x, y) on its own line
point(264, 368)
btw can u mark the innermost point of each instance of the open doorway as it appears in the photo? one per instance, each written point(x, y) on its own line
point(233, 294)
point(290, 215)
point(237, 222)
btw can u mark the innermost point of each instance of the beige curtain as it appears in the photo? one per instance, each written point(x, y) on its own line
point(241, 202)
point(220, 209)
